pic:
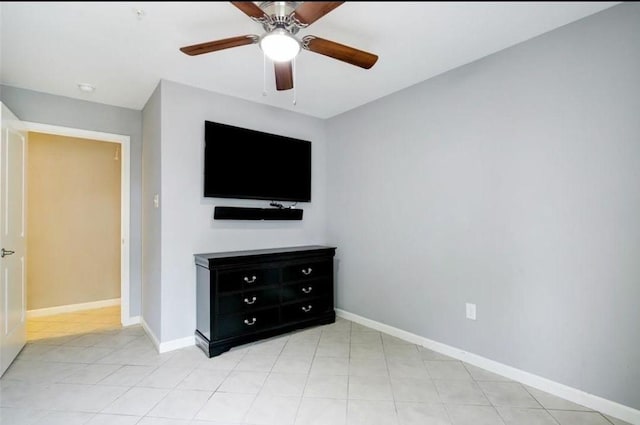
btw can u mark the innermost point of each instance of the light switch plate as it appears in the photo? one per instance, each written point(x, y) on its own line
point(471, 311)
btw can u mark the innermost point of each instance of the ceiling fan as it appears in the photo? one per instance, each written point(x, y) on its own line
point(281, 21)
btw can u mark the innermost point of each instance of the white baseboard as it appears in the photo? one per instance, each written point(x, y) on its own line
point(150, 333)
point(167, 346)
point(135, 320)
point(176, 344)
point(50, 311)
point(591, 401)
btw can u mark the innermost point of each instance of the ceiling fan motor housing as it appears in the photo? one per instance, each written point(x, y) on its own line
point(279, 14)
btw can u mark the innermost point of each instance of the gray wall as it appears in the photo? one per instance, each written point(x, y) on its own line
point(187, 217)
point(66, 112)
point(151, 216)
point(514, 183)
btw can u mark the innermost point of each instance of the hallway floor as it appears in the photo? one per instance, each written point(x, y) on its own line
point(68, 324)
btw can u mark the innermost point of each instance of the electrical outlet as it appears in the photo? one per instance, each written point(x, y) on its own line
point(156, 200)
point(471, 311)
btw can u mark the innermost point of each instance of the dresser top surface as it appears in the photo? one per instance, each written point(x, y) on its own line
point(256, 252)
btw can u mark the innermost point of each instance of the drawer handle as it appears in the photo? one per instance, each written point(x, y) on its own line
point(247, 280)
point(307, 271)
point(307, 308)
point(250, 301)
point(307, 290)
point(250, 323)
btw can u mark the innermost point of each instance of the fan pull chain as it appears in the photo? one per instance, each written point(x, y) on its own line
point(295, 83)
point(264, 74)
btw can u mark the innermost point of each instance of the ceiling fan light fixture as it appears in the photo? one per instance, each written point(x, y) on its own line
point(279, 45)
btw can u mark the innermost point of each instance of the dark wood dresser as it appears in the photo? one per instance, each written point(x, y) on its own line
point(244, 296)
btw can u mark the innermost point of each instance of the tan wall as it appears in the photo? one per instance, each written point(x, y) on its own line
point(73, 221)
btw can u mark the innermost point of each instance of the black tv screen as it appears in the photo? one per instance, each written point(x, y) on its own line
point(249, 164)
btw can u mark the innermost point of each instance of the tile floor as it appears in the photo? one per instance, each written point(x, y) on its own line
point(82, 369)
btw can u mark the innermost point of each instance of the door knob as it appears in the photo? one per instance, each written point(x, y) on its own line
point(6, 252)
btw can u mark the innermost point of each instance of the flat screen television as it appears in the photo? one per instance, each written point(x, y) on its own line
point(249, 164)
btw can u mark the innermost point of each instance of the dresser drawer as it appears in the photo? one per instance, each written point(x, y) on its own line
point(246, 279)
point(248, 300)
point(306, 309)
point(304, 271)
point(310, 289)
point(245, 323)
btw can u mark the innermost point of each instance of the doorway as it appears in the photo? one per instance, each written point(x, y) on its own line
point(118, 148)
point(73, 235)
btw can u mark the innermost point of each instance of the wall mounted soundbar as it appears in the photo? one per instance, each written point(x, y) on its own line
point(241, 213)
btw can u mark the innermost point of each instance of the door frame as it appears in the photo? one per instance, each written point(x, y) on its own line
point(125, 190)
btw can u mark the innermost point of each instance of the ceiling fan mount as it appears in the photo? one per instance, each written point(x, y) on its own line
point(281, 21)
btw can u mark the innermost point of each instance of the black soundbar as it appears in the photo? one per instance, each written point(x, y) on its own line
point(241, 213)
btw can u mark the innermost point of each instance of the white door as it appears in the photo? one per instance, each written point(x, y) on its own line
point(13, 148)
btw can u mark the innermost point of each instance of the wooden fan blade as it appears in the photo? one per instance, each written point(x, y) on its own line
point(284, 75)
point(310, 11)
point(249, 8)
point(213, 46)
point(339, 51)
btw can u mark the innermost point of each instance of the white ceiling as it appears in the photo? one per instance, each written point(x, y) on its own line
point(53, 46)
